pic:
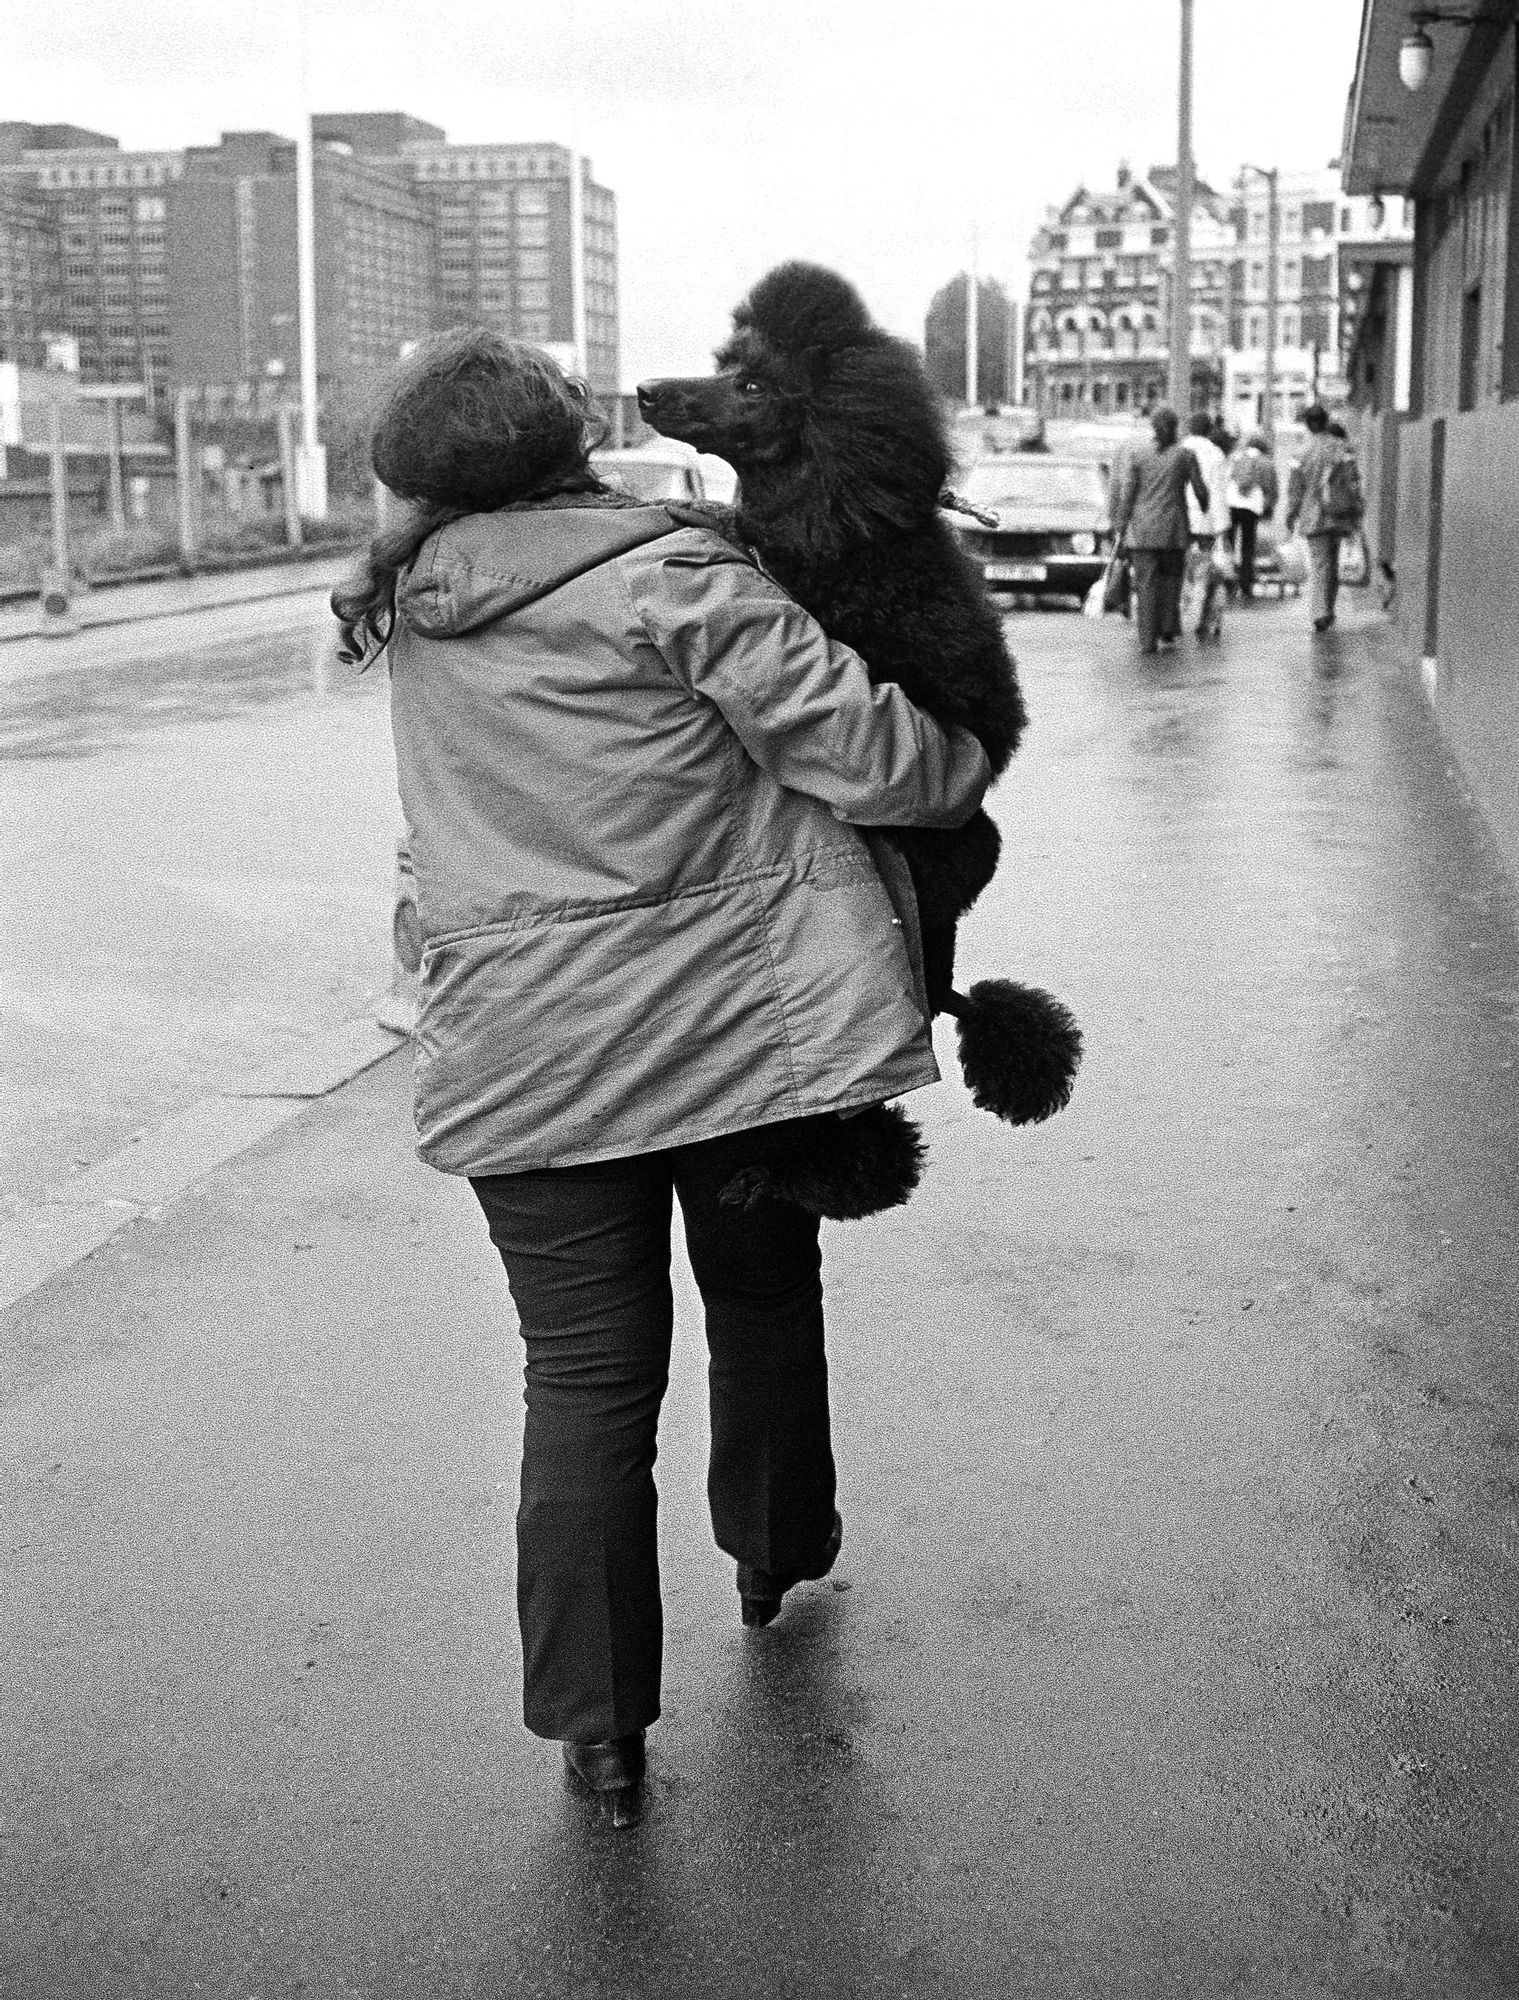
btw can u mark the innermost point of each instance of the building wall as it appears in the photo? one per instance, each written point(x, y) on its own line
point(109, 211)
point(1467, 274)
point(1476, 693)
point(180, 268)
point(205, 321)
point(31, 277)
point(503, 223)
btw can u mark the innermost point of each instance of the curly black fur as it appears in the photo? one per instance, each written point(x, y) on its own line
point(1019, 1048)
point(841, 1167)
point(842, 455)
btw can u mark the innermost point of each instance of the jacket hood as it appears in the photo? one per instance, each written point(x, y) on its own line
point(483, 566)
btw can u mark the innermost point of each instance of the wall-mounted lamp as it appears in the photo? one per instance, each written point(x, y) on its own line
point(1416, 57)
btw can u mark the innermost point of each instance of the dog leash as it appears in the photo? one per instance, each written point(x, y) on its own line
point(953, 504)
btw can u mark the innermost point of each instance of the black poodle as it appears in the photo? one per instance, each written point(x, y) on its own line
point(840, 448)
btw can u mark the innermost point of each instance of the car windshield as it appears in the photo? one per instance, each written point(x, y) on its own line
point(644, 478)
point(1033, 482)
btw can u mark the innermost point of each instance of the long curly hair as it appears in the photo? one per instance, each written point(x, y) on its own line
point(471, 422)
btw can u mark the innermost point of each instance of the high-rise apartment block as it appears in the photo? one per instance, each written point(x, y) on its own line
point(179, 268)
point(506, 219)
point(31, 278)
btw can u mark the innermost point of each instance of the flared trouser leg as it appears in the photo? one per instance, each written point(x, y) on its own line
point(587, 1256)
point(771, 1482)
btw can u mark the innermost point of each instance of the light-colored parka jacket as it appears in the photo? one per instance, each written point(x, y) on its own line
point(631, 769)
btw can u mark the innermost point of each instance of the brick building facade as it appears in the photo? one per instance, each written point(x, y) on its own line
point(1098, 320)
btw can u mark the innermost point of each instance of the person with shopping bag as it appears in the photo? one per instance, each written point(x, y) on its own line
point(1203, 586)
point(1251, 492)
point(1324, 503)
point(1150, 522)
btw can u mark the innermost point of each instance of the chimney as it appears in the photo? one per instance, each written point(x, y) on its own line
point(1124, 176)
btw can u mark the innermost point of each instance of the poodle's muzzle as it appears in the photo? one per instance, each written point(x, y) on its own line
point(700, 410)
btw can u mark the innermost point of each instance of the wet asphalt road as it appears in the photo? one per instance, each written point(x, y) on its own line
point(1173, 1647)
point(198, 816)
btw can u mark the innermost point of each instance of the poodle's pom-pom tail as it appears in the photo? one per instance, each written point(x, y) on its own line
point(841, 1168)
point(1020, 1049)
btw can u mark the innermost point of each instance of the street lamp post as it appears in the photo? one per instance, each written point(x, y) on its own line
point(1270, 175)
point(311, 458)
point(1181, 262)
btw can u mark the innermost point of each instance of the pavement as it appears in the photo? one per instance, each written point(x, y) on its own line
point(1173, 1646)
point(172, 597)
point(199, 820)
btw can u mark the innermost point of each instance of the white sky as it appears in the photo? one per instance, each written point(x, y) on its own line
point(873, 135)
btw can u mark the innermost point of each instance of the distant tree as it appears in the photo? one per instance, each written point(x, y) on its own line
point(944, 340)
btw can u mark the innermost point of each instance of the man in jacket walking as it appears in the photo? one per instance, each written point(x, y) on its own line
point(1323, 503)
point(1151, 520)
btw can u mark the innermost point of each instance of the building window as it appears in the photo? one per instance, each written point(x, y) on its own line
point(532, 201)
point(151, 208)
point(531, 296)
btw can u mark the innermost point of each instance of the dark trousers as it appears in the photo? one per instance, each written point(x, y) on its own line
point(1157, 594)
point(1323, 573)
point(587, 1256)
point(1247, 525)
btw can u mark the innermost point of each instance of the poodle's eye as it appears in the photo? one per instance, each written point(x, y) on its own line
point(749, 387)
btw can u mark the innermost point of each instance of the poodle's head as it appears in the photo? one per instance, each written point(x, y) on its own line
point(815, 405)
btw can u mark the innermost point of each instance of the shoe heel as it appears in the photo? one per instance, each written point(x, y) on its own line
point(757, 1610)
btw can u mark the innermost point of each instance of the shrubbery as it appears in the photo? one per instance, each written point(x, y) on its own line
point(230, 540)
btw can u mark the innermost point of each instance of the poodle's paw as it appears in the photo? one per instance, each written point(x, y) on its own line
point(1020, 1049)
point(841, 1168)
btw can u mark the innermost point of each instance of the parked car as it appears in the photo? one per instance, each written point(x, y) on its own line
point(1052, 533)
point(656, 471)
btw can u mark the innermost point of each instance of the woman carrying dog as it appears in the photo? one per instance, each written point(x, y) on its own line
point(631, 769)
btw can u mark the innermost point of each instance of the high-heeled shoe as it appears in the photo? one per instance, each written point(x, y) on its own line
point(760, 1590)
point(610, 1773)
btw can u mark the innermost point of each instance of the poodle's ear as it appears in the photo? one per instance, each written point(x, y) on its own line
point(804, 309)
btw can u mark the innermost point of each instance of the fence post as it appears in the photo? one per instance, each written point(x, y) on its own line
point(116, 499)
point(284, 423)
point(187, 479)
point(58, 618)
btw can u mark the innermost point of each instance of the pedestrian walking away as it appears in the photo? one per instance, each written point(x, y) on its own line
point(1251, 491)
point(1205, 580)
point(1324, 503)
point(1151, 522)
point(632, 769)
